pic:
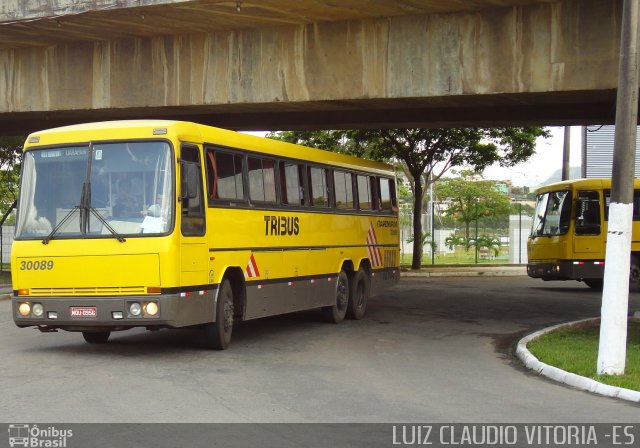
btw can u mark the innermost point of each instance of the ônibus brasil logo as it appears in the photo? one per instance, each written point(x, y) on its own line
point(32, 436)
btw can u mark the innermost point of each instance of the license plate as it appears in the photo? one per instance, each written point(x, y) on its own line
point(84, 311)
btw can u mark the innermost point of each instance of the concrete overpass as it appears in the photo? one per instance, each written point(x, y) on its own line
point(283, 64)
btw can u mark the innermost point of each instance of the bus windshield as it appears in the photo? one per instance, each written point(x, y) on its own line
point(553, 214)
point(96, 190)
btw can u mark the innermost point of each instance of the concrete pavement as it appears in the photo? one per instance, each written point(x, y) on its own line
point(428, 350)
point(485, 271)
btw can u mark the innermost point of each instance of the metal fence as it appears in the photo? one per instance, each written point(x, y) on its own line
point(494, 240)
point(6, 239)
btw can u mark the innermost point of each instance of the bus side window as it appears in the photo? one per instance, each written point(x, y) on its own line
point(343, 189)
point(224, 176)
point(387, 195)
point(193, 220)
point(291, 183)
point(364, 192)
point(588, 213)
point(262, 180)
point(318, 188)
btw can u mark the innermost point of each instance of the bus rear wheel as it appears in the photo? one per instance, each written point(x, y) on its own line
point(218, 333)
point(335, 313)
point(96, 337)
point(359, 295)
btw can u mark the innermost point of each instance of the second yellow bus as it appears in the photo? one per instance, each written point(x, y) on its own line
point(568, 237)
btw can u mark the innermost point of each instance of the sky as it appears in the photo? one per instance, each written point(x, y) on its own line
point(546, 160)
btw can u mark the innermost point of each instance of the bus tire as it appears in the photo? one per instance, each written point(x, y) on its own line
point(359, 295)
point(96, 337)
point(335, 313)
point(218, 333)
point(634, 275)
point(594, 283)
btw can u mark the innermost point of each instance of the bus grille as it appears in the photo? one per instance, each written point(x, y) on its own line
point(89, 291)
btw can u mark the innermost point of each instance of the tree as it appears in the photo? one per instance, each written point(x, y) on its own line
point(470, 199)
point(426, 154)
point(518, 208)
point(10, 153)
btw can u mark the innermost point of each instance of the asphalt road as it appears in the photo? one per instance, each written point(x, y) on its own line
point(429, 350)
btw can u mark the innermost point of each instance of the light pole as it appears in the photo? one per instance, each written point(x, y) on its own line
point(612, 351)
point(477, 218)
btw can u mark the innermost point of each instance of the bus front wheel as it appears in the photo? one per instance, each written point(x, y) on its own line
point(335, 313)
point(93, 337)
point(218, 333)
point(359, 295)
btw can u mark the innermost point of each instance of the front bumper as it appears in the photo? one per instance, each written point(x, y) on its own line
point(566, 269)
point(175, 310)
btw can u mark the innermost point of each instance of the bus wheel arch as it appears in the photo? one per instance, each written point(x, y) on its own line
point(229, 305)
point(235, 276)
point(348, 268)
point(336, 312)
point(365, 265)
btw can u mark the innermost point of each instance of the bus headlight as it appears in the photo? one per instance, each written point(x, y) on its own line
point(38, 310)
point(135, 309)
point(24, 309)
point(151, 308)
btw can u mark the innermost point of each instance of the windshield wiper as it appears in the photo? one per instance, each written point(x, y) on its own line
point(104, 222)
point(61, 223)
point(85, 208)
point(81, 208)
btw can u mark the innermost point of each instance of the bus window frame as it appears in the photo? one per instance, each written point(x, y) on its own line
point(229, 202)
point(262, 158)
point(305, 166)
point(587, 230)
point(200, 184)
point(327, 189)
point(302, 179)
point(372, 209)
point(392, 194)
point(543, 222)
point(335, 189)
point(174, 186)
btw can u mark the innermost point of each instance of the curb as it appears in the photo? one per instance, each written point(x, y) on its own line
point(568, 378)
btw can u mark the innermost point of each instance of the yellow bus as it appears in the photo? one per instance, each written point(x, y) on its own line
point(165, 224)
point(569, 230)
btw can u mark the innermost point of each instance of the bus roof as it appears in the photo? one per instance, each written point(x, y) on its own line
point(194, 133)
point(582, 184)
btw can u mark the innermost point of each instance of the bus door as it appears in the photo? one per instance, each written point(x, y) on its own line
point(588, 225)
point(193, 248)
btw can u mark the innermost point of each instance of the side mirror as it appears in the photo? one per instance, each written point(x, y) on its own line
point(189, 181)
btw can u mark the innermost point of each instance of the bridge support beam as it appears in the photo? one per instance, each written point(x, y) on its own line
point(520, 64)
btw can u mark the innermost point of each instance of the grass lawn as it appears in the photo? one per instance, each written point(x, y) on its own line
point(453, 259)
point(576, 350)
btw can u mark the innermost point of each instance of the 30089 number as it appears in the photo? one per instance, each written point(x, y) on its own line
point(43, 265)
